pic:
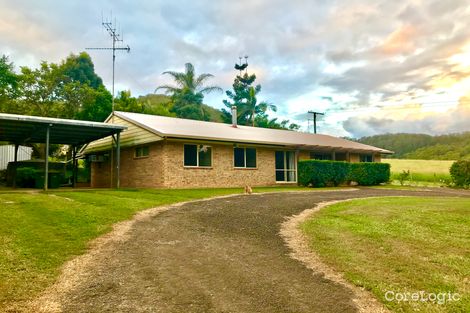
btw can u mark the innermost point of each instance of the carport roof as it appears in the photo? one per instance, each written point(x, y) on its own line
point(24, 128)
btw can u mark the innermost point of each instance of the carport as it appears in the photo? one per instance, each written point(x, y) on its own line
point(24, 129)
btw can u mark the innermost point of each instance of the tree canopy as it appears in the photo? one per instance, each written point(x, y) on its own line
point(72, 89)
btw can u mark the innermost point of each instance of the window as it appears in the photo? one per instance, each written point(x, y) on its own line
point(366, 158)
point(141, 152)
point(197, 155)
point(286, 170)
point(320, 156)
point(244, 157)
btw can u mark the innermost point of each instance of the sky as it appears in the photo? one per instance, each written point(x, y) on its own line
point(372, 67)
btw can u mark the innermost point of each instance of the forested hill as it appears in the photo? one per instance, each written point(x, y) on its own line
point(421, 146)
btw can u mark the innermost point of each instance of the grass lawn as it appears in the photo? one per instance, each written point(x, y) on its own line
point(401, 244)
point(432, 171)
point(40, 231)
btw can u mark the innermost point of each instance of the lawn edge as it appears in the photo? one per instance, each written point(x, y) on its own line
point(299, 245)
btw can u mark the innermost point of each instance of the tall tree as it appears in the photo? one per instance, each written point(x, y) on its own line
point(249, 110)
point(244, 97)
point(188, 92)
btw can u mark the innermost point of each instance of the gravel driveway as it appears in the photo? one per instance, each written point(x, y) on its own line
point(222, 255)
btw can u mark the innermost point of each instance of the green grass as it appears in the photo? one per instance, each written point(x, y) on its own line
point(402, 244)
point(431, 171)
point(40, 231)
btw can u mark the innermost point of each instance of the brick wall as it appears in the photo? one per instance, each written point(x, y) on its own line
point(145, 172)
point(221, 174)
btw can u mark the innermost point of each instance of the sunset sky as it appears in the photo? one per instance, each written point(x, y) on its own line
point(371, 66)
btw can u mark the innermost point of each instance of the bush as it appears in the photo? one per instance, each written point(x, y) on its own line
point(26, 177)
point(369, 174)
point(460, 173)
point(318, 173)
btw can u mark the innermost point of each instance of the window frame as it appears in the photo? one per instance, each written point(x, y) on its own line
point(245, 160)
point(141, 148)
point(198, 146)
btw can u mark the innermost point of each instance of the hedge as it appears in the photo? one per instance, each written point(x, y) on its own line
point(318, 173)
point(369, 174)
point(460, 173)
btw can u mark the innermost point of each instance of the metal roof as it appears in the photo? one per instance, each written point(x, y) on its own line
point(170, 127)
point(32, 129)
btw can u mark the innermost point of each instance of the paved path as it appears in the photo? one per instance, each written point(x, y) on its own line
point(222, 255)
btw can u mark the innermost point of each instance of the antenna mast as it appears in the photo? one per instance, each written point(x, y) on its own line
point(116, 37)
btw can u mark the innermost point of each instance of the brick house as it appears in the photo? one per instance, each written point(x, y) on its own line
point(166, 152)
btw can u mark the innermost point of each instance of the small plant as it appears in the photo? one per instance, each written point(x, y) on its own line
point(404, 175)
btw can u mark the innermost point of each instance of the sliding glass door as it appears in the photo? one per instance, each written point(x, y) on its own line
point(286, 166)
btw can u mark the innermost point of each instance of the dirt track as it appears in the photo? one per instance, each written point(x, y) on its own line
point(223, 255)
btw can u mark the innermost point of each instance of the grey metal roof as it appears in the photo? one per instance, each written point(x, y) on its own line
point(32, 129)
point(170, 127)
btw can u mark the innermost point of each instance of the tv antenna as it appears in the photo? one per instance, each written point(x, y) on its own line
point(117, 38)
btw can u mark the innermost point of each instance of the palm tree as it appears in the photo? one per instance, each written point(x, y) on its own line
point(187, 81)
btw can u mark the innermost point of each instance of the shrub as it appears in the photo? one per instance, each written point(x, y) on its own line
point(369, 174)
point(318, 173)
point(460, 173)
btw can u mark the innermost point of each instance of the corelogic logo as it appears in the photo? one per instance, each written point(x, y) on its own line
point(422, 296)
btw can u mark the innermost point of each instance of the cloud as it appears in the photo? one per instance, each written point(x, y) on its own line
point(412, 120)
point(357, 52)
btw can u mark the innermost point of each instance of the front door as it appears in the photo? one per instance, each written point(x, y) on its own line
point(286, 166)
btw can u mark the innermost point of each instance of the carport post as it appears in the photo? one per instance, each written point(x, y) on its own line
point(118, 157)
point(46, 161)
point(16, 165)
point(74, 166)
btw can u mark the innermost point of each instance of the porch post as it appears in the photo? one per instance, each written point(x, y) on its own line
point(46, 161)
point(118, 158)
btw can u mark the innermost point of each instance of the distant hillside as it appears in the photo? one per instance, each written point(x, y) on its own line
point(421, 146)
